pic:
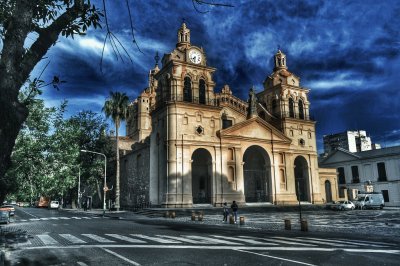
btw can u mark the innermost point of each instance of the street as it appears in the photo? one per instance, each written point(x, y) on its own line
point(52, 237)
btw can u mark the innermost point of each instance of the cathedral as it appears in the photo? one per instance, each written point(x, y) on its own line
point(192, 145)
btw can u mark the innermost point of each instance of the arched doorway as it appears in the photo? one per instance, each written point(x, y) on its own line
point(328, 191)
point(201, 176)
point(257, 179)
point(301, 178)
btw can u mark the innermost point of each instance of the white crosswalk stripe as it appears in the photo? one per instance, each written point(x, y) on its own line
point(250, 241)
point(183, 239)
point(72, 239)
point(215, 241)
point(347, 242)
point(306, 241)
point(98, 238)
point(47, 240)
point(281, 241)
point(126, 238)
point(157, 239)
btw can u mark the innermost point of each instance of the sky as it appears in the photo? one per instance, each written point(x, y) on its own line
point(346, 52)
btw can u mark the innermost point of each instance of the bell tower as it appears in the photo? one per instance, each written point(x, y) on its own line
point(280, 61)
point(183, 36)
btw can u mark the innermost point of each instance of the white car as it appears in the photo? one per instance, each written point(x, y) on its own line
point(344, 205)
point(54, 204)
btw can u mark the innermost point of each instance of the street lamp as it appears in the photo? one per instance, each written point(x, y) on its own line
point(105, 177)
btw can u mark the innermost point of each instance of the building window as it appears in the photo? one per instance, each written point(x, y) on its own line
point(291, 108)
point(301, 109)
point(342, 178)
point(225, 121)
point(355, 175)
point(274, 107)
point(385, 194)
point(202, 92)
point(187, 90)
point(381, 172)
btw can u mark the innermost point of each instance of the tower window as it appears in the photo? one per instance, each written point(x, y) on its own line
point(202, 91)
point(301, 109)
point(274, 107)
point(187, 90)
point(291, 108)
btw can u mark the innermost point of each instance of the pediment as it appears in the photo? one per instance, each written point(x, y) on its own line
point(340, 155)
point(256, 129)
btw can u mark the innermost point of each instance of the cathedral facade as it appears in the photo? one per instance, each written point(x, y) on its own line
point(193, 145)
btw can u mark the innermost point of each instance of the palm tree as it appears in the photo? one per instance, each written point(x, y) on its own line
point(116, 107)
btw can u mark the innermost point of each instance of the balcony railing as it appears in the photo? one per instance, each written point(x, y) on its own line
point(296, 116)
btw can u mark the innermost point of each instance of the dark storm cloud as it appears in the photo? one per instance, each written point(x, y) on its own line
point(346, 52)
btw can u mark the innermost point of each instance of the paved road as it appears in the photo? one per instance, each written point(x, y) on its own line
point(51, 237)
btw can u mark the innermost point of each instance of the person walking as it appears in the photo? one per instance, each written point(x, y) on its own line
point(234, 208)
point(226, 212)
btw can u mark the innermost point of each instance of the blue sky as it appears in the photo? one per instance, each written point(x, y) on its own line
point(346, 52)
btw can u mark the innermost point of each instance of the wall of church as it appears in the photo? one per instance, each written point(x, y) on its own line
point(134, 182)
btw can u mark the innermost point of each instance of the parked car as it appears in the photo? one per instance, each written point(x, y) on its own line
point(4, 216)
point(344, 205)
point(329, 205)
point(9, 208)
point(369, 201)
point(54, 204)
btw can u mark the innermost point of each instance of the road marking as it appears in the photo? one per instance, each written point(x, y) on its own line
point(121, 257)
point(375, 242)
point(34, 219)
point(290, 242)
point(64, 218)
point(183, 239)
point(47, 240)
point(318, 241)
point(250, 241)
point(80, 263)
point(216, 241)
point(355, 250)
point(27, 213)
point(22, 220)
point(157, 239)
point(349, 242)
point(98, 238)
point(125, 238)
point(278, 258)
point(86, 218)
point(44, 219)
point(72, 239)
point(77, 218)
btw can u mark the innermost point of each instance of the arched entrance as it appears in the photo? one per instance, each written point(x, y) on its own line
point(257, 179)
point(201, 176)
point(328, 191)
point(301, 178)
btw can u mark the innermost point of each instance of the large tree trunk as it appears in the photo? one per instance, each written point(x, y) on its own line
point(117, 174)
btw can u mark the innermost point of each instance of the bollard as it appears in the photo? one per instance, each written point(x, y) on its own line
point(288, 225)
point(166, 215)
point(241, 220)
point(231, 219)
point(193, 216)
point(200, 216)
point(172, 215)
point(304, 225)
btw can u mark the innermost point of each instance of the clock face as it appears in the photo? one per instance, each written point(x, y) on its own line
point(195, 56)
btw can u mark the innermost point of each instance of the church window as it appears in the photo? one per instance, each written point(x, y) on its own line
point(291, 108)
point(301, 109)
point(302, 142)
point(225, 121)
point(200, 130)
point(202, 91)
point(309, 135)
point(187, 90)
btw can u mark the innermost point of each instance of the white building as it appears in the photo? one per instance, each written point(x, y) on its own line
point(381, 167)
point(353, 141)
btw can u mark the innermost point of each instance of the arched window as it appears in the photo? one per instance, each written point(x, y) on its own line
point(291, 108)
point(159, 92)
point(301, 109)
point(202, 91)
point(187, 90)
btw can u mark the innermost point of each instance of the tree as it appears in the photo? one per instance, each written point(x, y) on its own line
point(116, 107)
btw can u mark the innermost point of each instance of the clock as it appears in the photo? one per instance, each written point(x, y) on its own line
point(195, 56)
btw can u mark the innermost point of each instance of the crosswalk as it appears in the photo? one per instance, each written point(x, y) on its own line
point(58, 218)
point(56, 240)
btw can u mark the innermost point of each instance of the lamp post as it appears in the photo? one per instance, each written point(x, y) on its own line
point(105, 177)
